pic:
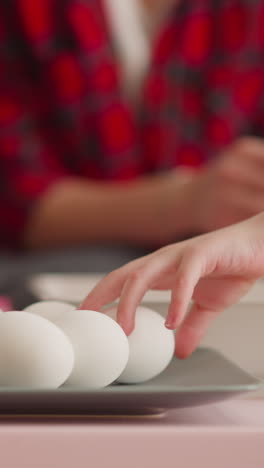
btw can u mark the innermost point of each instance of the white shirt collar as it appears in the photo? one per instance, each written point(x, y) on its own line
point(126, 19)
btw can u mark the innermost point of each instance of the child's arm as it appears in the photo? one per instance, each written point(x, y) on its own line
point(215, 270)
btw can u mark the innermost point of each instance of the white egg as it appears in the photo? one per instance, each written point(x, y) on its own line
point(151, 347)
point(50, 310)
point(34, 352)
point(100, 347)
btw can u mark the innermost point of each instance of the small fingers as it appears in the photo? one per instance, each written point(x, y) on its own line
point(132, 281)
point(186, 279)
point(106, 291)
point(109, 288)
point(193, 329)
point(135, 287)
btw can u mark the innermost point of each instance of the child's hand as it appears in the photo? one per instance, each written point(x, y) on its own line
point(215, 270)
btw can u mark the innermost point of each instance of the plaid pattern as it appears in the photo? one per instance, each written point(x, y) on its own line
point(62, 112)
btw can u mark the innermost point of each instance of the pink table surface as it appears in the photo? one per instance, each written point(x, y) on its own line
point(215, 436)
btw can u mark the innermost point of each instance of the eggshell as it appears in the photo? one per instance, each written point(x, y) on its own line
point(100, 345)
point(51, 310)
point(151, 346)
point(34, 353)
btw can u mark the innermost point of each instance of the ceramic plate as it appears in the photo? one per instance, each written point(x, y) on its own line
point(204, 378)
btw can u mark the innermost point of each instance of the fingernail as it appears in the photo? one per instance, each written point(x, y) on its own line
point(168, 321)
point(169, 325)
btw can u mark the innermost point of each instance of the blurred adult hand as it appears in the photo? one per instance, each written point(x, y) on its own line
point(231, 188)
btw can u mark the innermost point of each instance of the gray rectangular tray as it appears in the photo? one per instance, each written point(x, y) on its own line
point(206, 377)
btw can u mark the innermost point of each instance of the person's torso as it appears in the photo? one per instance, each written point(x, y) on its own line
point(61, 91)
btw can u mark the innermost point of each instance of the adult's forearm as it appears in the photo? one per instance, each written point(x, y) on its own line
point(148, 211)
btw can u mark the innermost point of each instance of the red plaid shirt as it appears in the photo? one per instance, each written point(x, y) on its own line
point(61, 107)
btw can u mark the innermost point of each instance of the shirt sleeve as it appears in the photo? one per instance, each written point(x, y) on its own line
point(30, 156)
point(29, 165)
